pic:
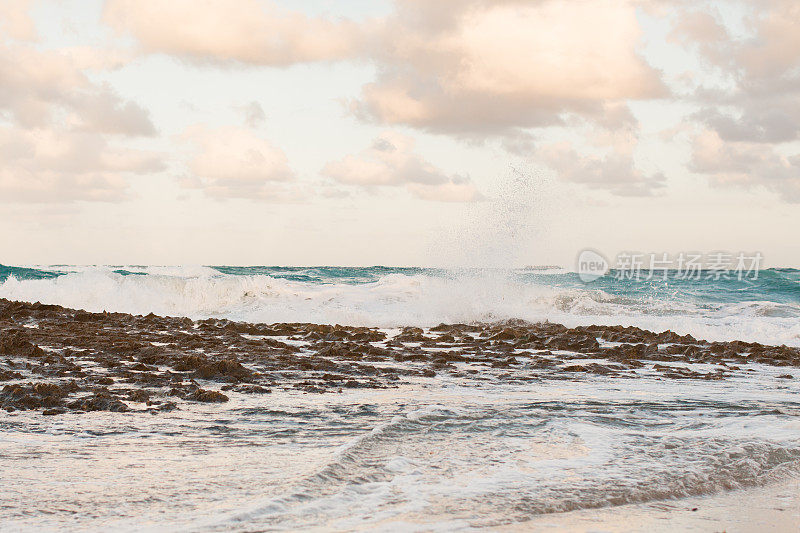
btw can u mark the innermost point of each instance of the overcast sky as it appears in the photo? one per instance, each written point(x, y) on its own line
point(406, 132)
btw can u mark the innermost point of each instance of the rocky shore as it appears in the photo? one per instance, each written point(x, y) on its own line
point(55, 360)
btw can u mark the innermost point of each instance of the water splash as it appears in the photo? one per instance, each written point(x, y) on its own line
point(765, 310)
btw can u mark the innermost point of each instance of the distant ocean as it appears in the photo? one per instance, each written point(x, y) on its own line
point(766, 309)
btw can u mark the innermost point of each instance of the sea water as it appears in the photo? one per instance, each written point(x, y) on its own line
point(765, 309)
point(442, 453)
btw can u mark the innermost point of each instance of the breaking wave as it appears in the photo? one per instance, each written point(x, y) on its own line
point(763, 310)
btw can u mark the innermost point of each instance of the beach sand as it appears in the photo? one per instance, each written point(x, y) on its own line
point(774, 507)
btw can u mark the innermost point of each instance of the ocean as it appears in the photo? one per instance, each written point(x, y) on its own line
point(765, 309)
point(476, 445)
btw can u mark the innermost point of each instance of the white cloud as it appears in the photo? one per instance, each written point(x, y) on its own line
point(105, 112)
point(245, 31)
point(472, 69)
point(761, 64)
point(748, 124)
point(475, 68)
point(772, 52)
point(15, 20)
point(232, 162)
point(615, 172)
point(465, 67)
point(755, 120)
point(45, 165)
point(745, 164)
point(457, 189)
point(392, 162)
point(54, 146)
point(704, 31)
point(40, 88)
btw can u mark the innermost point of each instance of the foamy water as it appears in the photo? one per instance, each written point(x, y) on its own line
point(764, 310)
point(436, 455)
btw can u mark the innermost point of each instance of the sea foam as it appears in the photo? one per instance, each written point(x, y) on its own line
point(764, 312)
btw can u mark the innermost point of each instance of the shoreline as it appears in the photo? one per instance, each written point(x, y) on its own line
point(234, 388)
point(771, 507)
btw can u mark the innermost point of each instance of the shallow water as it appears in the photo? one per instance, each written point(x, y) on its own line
point(440, 453)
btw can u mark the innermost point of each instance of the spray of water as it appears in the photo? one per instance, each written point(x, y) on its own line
point(509, 230)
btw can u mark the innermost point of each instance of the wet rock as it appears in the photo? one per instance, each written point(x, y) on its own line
point(576, 343)
point(8, 375)
point(82, 316)
point(101, 401)
point(316, 389)
point(207, 396)
point(162, 407)
point(592, 368)
point(504, 363)
point(15, 342)
point(412, 335)
point(226, 369)
point(139, 395)
point(247, 389)
point(507, 334)
point(35, 395)
point(153, 354)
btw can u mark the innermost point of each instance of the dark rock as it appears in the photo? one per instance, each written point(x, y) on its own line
point(207, 396)
point(15, 342)
point(101, 401)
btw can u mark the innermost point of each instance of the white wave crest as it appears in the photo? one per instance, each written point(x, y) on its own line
point(397, 300)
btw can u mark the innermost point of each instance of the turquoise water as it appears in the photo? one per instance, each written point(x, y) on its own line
point(777, 285)
point(765, 309)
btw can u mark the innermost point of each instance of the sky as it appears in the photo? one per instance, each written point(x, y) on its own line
point(405, 132)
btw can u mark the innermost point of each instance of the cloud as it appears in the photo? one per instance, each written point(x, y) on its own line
point(391, 162)
point(748, 122)
point(762, 95)
point(704, 31)
point(614, 172)
point(15, 20)
point(458, 189)
point(476, 68)
point(471, 68)
point(772, 52)
point(105, 112)
point(755, 120)
point(40, 88)
point(220, 31)
point(54, 144)
point(745, 164)
point(231, 162)
point(46, 165)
